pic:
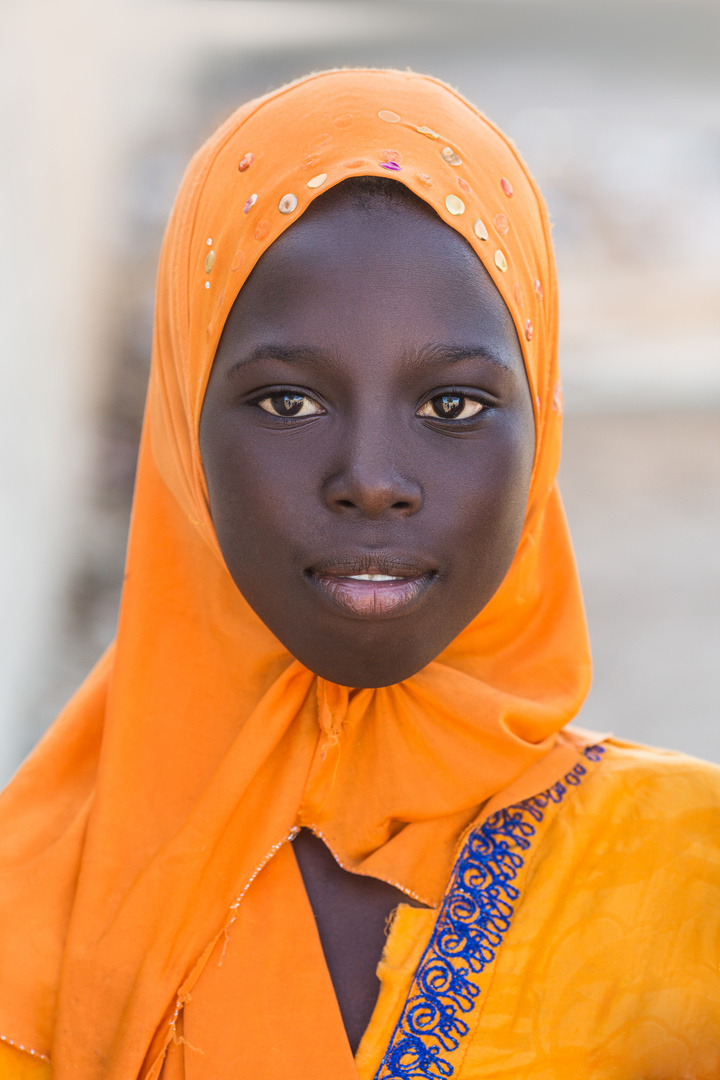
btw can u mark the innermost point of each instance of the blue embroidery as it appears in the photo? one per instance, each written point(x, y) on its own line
point(475, 915)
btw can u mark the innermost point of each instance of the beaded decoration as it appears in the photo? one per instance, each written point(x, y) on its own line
point(475, 915)
point(390, 160)
point(25, 1049)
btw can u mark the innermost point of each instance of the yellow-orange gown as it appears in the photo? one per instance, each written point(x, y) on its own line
point(604, 966)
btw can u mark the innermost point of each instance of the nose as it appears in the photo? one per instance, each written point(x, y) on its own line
point(369, 484)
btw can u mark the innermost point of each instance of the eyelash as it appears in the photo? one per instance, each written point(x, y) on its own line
point(467, 398)
point(299, 395)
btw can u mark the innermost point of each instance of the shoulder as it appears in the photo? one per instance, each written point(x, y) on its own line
point(665, 782)
point(638, 839)
point(651, 801)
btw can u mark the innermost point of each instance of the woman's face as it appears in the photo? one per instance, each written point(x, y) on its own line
point(367, 437)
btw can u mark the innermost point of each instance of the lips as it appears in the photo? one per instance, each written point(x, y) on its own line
point(371, 587)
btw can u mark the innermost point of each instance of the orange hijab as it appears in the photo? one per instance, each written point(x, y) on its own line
point(132, 840)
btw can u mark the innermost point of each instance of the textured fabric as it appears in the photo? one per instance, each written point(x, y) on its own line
point(198, 744)
point(607, 968)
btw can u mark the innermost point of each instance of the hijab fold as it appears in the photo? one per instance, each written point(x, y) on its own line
point(149, 831)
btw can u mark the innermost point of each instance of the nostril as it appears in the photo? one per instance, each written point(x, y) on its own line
point(370, 496)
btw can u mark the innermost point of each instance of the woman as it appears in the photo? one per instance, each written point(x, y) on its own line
point(347, 480)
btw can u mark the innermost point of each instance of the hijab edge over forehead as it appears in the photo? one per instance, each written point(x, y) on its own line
point(206, 160)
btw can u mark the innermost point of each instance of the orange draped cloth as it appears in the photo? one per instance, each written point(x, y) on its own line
point(132, 840)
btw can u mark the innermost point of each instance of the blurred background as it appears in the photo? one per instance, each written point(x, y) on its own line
point(616, 107)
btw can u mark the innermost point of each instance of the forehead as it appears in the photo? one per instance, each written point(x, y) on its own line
point(365, 269)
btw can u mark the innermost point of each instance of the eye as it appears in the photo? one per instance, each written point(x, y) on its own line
point(290, 403)
point(452, 406)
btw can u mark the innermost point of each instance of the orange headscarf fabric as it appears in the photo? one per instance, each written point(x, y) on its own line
point(130, 838)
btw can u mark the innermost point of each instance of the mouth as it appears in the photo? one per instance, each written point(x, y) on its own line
point(372, 588)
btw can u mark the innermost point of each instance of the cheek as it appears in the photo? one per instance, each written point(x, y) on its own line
point(260, 497)
point(481, 509)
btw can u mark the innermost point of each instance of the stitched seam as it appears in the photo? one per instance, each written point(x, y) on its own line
point(493, 974)
point(363, 873)
point(25, 1049)
point(475, 915)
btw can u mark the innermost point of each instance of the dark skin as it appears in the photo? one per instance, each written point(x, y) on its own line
point(352, 915)
point(367, 437)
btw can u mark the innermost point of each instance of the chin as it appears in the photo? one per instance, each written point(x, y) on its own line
point(369, 672)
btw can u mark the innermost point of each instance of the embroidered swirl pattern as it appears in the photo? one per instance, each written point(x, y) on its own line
point(475, 916)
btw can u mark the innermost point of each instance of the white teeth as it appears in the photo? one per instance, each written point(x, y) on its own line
point(373, 577)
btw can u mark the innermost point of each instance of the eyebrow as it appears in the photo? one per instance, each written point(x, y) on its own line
point(454, 354)
point(286, 354)
point(433, 353)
